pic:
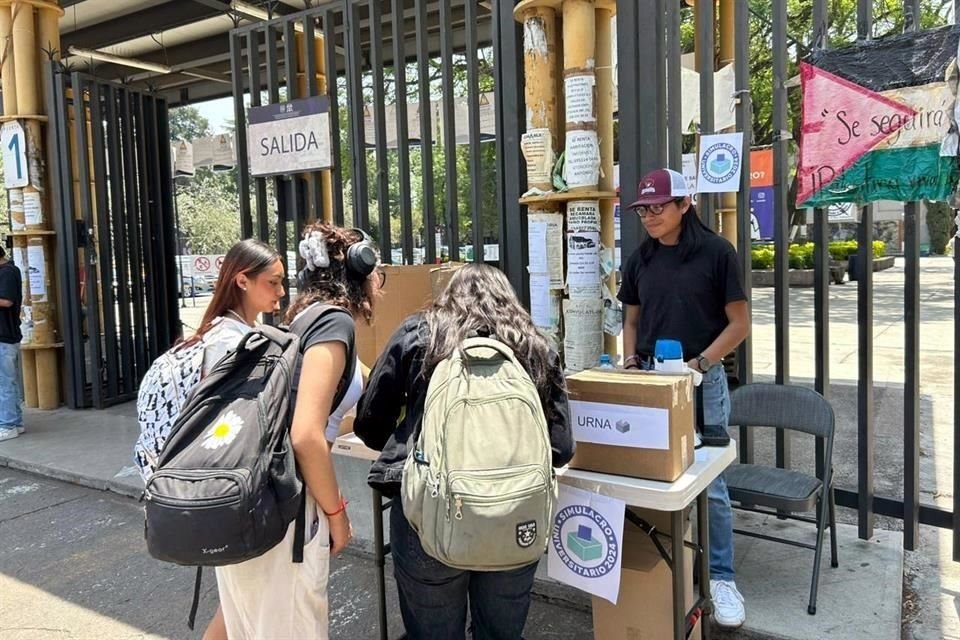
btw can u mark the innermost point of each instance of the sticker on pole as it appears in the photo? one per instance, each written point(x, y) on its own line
point(14, 142)
point(586, 542)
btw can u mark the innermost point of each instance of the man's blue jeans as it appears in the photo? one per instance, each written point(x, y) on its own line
point(11, 387)
point(433, 596)
point(716, 416)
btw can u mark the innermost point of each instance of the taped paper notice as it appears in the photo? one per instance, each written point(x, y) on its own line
point(183, 164)
point(535, 37)
point(583, 339)
point(32, 208)
point(537, 148)
point(583, 264)
point(551, 262)
point(537, 246)
point(37, 273)
point(612, 314)
point(580, 98)
point(583, 215)
point(607, 265)
point(544, 304)
point(224, 153)
point(582, 161)
point(26, 324)
point(15, 198)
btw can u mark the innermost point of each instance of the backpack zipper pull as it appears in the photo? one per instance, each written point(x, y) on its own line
point(459, 504)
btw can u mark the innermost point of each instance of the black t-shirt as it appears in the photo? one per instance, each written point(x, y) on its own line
point(682, 300)
point(11, 288)
point(333, 326)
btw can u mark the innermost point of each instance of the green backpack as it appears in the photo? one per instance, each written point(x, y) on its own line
point(478, 486)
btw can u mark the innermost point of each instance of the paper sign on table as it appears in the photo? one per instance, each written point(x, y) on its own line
point(586, 542)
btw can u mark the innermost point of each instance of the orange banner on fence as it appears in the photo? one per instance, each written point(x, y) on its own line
point(761, 168)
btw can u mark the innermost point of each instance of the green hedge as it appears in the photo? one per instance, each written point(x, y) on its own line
point(801, 255)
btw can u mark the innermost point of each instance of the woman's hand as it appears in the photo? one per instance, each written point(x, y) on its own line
point(341, 531)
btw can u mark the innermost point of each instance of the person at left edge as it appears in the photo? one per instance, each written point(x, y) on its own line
point(11, 382)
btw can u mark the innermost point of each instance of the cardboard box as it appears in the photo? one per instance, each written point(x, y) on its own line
point(408, 289)
point(644, 610)
point(632, 423)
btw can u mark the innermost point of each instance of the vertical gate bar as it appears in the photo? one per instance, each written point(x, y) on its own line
point(745, 124)
point(634, 149)
point(240, 133)
point(473, 99)
point(380, 126)
point(90, 278)
point(168, 241)
point(297, 214)
point(821, 265)
point(781, 226)
point(155, 181)
point(103, 215)
point(357, 108)
point(256, 100)
point(706, 43)
point(956, 378)
point(65, 227)
point(674, 88)
point(865, 413)
point(511, 178)
point(426, 134)
point(451, 215)
point(310, 68)
point(133, 234)
point(660, 42)
point(330, 40)
point(403, 133)
point(140, 135)
point(911, 365)
point(281, 190)
point(128, 381)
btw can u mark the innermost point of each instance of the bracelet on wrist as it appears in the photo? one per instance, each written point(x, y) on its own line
point(339, 510)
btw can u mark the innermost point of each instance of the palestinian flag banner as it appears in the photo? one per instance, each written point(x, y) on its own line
point(878, 121)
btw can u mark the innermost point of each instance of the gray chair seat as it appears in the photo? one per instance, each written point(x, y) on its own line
point(780, 489)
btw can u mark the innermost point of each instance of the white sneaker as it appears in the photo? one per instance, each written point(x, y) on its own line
point(8, 434)
point(728, 611)
point(20, 429)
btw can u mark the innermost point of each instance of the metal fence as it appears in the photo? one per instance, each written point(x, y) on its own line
point(112, 187)
point(383, 59)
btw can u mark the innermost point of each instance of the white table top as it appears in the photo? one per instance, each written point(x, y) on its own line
point(709, 462)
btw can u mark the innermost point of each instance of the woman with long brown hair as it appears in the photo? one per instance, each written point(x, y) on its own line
point(250, 283)
point(478, 302)
point(270, 596)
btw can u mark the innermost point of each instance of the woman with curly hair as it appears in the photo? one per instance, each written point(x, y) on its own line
point(270, 596)
point(478, 302)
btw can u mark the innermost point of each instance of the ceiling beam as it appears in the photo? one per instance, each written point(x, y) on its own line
point(155, 19)
point(225, 7)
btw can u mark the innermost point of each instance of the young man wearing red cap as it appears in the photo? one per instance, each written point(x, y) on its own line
point(683, 283)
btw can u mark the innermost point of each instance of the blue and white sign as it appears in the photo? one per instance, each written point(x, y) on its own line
point(289, 137)
point(719, 164)
point(14, 142)
point(586, 542)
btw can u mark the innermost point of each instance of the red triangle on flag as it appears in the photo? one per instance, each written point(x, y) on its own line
point(840, 122)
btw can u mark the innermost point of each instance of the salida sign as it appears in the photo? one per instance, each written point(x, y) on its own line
point(290, 137)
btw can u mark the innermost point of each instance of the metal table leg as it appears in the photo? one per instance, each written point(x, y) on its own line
point(380, 559)
point(679, 601)
point(703, 535)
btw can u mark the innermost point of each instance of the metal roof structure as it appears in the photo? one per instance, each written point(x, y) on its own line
point(181, 48)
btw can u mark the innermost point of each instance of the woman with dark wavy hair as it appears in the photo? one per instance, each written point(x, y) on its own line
point(270, 596)
point(479, 301)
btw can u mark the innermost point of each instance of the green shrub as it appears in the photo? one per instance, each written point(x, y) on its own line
point(940, 226)
point(762, 258)
point(879, 249)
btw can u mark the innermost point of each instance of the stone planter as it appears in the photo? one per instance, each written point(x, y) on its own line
point(796, 278)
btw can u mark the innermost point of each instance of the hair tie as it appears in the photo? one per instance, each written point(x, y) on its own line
point(313, 249)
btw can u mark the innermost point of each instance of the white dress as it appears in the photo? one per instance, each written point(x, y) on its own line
point(270, 597)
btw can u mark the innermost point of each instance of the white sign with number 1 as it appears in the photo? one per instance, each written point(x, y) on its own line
point(14, 144)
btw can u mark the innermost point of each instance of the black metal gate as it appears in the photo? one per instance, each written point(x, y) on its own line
point(390, 180)
point(115, 255)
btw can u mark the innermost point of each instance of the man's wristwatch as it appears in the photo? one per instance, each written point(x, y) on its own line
point(703, 363)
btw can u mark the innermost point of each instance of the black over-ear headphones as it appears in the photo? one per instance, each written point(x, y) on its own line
point(362, 256)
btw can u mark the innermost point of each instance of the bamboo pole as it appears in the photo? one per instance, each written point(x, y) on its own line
point(727, 44)
point(582, 151)
point(605, 89)
point(319, 53)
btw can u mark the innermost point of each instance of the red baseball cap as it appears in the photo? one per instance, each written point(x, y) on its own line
point(660, 186)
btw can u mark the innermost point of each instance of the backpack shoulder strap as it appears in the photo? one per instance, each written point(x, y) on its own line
point(477, 345)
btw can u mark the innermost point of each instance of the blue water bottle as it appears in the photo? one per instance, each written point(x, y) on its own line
point(606, 362)
point(668, 355)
